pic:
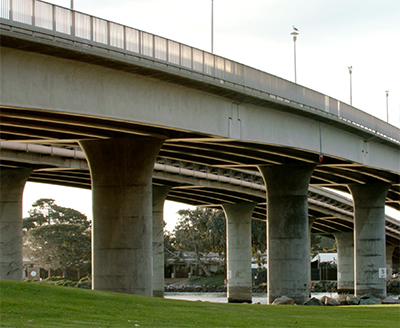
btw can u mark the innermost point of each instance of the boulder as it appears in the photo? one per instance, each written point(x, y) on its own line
point(370, 301)
point(391, 300)
point(352, 300)
point(284, 300)
point(314, 301)
point(329, 301)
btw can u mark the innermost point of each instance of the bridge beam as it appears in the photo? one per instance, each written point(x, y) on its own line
point(288, 249)
point(12, 184)
point(345, 267)
point(121, 171)
point(159, 195)
point(238, 245)
point(369, 238)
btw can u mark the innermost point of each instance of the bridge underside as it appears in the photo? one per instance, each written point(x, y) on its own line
point(198, 151)
point(297, 144)
point(192, 183)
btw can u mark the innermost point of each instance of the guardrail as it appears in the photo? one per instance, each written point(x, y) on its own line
point(66, 23)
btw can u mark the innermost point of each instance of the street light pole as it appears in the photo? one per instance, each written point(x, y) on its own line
point(72, 4)
point(387, 106)
point(351, 85)
point(212, 26)
point(295, 33)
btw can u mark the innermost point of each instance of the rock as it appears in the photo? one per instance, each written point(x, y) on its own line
point(352, 300)
point(284, 300)
point(314, 301)
point(370, 301)
point(391, 300)
point(329, 301)
point(364, 297)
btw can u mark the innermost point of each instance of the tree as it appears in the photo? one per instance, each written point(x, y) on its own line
point(204, 230)
point(57, 237)
point(200, 231)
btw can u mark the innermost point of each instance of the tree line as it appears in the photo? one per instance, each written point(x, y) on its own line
point(59, 238)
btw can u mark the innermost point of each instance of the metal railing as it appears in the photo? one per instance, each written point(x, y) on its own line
point(86, 29)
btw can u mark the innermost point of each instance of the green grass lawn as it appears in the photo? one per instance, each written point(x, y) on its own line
point(39, 305)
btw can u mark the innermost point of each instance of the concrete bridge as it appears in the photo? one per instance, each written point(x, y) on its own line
point(128, 98)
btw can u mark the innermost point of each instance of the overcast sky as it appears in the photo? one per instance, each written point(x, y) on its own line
point(334, 34)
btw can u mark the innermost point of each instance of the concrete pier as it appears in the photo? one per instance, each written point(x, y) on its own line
point(345, 267)
point(12, 184)
point(288, 248)
point(121, 172)
point(159, 195)
point(238, 245)
point(389, 260)
point(369, 238)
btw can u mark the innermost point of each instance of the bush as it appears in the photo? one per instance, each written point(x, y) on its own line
point(207, 281)
point(85, 282)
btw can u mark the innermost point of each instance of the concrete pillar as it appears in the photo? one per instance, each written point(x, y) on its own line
point(288, 251)
point(121, 171)
point(159, 195)
point(345, 268)
point(369, 238)
point(12, 183)
point(389, 260)
point(238, 246)
point(310, 225)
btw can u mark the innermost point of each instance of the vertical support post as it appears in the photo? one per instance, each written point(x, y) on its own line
point(288, 252)
point(369, 238)
point(238, 245)
point(72, 11)
point(54, 18)
point(12, 184)
point(108, 33)
point(11, 10)
point(159, 195)
point(92, 28)
point(345, 268)
point(121, 170)
point(34, 14)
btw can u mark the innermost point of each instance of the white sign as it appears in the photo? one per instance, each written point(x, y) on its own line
point(33, 273)
point(382, 273)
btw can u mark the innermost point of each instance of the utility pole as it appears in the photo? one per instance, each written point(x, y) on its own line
point(295, 33)
point(387, 106)
point(212, 26)
point(351, 85)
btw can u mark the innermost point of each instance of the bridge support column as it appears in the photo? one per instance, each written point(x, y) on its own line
point(345, 268)
point(238, 245)
point(288, 251)
point(369, 238)
point(389, 260)
point(159, 195)
point(121, 171)
point(12, 184)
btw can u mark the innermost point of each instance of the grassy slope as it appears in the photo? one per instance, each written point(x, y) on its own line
point(38, 305)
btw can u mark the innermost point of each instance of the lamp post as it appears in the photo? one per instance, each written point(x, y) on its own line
point(72, 4)
point(351, 84)
point(387, 106)
point(212, 26)
point(295, 33)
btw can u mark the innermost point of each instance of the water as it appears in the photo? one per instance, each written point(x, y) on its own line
point(221, 297)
